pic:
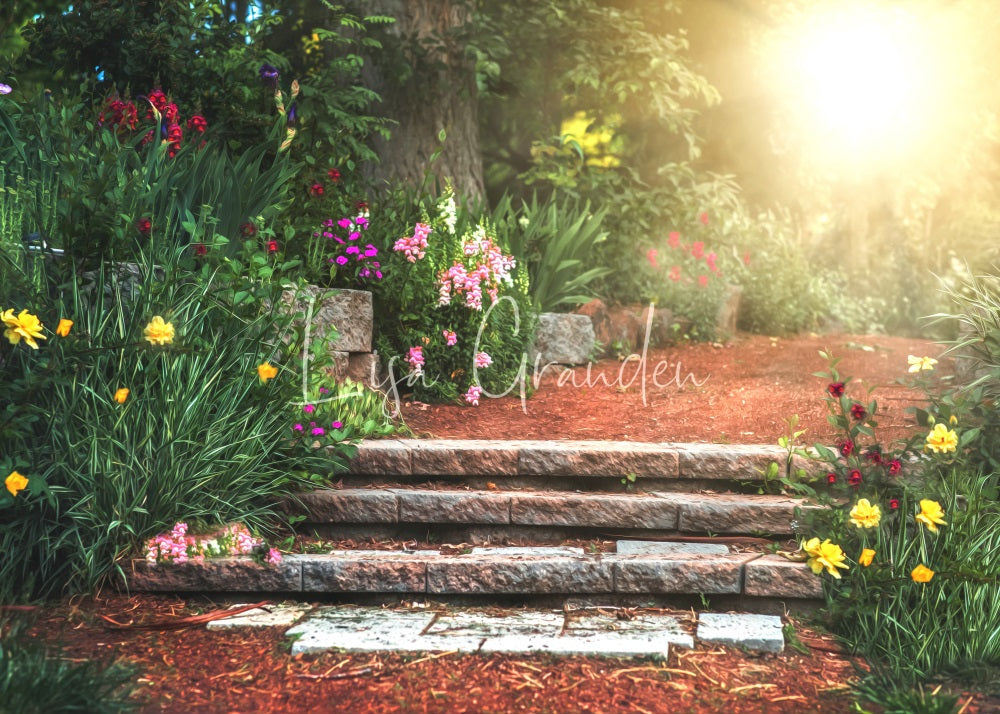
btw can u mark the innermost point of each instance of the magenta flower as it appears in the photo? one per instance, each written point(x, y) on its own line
point(318, 431)
point(482, 360)
point(342, 260)
point(337, 425)
point(308, 408)
point(472, 396)
point(836, 389)
point(450, 337)
point(298, 427)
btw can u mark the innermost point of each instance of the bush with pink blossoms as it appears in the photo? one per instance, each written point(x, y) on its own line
point(452, 312)
point(177, 546)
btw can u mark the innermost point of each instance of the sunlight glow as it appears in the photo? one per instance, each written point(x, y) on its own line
point(864, 77)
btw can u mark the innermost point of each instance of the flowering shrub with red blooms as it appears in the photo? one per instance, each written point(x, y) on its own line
point(122, 117)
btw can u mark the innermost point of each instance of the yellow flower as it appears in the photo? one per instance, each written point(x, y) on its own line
point(922, 574)
point(158, 332)
point(25, 326)
point(942, 440)
point(64, 326)
point(866, 557)
point(15, 482)
point(953, 420)
point(266, 371)
point(865, 515)
point(825, 555)
point(919, 364)
point(931, 515)
point(121, 395)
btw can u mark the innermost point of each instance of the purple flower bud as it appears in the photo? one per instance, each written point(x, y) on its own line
point(269, 74)
point(291, 117)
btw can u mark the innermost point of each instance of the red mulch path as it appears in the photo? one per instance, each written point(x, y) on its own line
point(749, 387)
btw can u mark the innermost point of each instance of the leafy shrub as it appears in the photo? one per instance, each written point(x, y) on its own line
point(555, 241)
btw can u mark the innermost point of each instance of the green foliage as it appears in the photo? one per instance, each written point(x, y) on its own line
point(556, 241)
point(896, 698)
point(33, 681)
point(410, 315)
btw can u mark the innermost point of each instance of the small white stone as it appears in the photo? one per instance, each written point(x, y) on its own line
point(528, 551)
point(653, 547)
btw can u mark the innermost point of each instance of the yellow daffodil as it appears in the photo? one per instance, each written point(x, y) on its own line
point(920, 364)
point(158, 332)
point(942, 440)
point(922, 574)
point(931, 515)
point(865, 515)
point(121, 395)
point(25, 327)
point(825, 555)
point(15, 482)
point(266, 371)
point(64, 327)
point(865, 559)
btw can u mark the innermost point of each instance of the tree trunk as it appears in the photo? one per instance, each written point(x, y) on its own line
point(427, 85)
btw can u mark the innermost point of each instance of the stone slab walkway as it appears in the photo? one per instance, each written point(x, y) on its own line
point(488, 630)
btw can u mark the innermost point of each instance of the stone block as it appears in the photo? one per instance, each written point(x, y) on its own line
point(235, 574)
point(595, 458)
point(359, 630)
point(354, 505)
point(563, 339)
point(774, 576)
point(598, 510)
point(528, 551)
point(382, 457)
point(655, 547)
point(510, 575)
point(364, 367)
point(677, 574)
point(727, 462)
point(370, 574)
point(463, 458)
point(481, 507)
point(760, 633)
point(734, 513)
point(349, 312)
point(274, 616)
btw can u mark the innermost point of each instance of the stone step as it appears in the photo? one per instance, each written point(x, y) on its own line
point(489, 574)
point(666, 512)
point(518, 462)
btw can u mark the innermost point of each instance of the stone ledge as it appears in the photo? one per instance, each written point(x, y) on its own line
point(680, 574)
point(774, 576)
point(593, 510)
point(733, 513)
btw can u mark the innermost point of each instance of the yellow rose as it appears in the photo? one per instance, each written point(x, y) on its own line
point(865, 559)
point(931, 515)
point(121, 395)
point(64, 327)
point(158, 332)
point(922, 574)
point(865, 515)
point(942, 440)
point(25, 327)
point(15, 482)
point(919, 364)
point(266, 371)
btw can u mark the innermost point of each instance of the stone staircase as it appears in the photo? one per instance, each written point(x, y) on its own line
point(688, 522)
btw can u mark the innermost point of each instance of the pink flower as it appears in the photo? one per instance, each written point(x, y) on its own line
point(298, 427)
point(675, 273)
point(472, 396)
point(273, 556)
point(450, 338)
point(703, 280)
point(337, 425)
point(703, 218)
point(416, 358)
point(746, 259)
point(318, 431)
point(483, 360)
point(698, 249)
point(308, 408)
point(413, 246)
point(651, 256)
point(674, 239)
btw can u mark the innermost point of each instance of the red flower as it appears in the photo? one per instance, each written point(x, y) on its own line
point(272, 246)
point(703, 218)
point(858, 411)
point(831, 478)
point(698, 249)
point(895, 467)
point(200, 249)
point(702, 280)
point(674, 239)
point(675, 273)
point(894, 504)
point(845, 447)
point(144, 226)
point(651, 256)
point(316, 189)
point(746, 259)
point(334, 175)
point(170, 113)
point(836, 389)
point(158, 99)
point(362, 206)
point(248, 229)
point(854, 478)
point(874, 454)
point(197, 123)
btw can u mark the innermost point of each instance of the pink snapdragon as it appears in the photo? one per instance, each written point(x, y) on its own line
point(482, 360)
point(414, 246)
point(450, 338)
point(416, 359)
point(472, 396)
point(273, 556)
point(487, 268)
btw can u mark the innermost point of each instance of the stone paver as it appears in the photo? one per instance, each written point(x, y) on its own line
point(752, 632)
point(774, 576)
point(527, 551)
point(359, 630)
point(283, 615)
point(655, 547)
point(592, 510)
